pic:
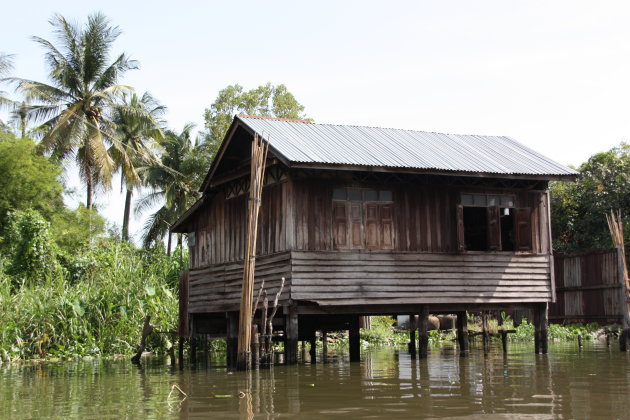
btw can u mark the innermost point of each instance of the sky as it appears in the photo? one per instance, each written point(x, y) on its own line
point(553, 75)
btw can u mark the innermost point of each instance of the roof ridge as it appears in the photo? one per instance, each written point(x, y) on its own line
point(368, 126)
point(261, 117)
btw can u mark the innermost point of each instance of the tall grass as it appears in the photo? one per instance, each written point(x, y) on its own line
point(95, 307)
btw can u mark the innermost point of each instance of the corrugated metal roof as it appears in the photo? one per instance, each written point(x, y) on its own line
point(387, 147)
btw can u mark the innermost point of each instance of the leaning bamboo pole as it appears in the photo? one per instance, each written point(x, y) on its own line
point(615, 225)
point(259, 159)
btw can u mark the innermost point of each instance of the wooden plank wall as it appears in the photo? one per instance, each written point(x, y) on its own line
point(220, 227)
point(424, 215)
point(354, 278)
point(587, 288)
point(218, 288)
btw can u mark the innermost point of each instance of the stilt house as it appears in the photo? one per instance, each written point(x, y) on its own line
point(365, 220)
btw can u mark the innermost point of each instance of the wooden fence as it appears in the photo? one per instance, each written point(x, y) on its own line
point(587, 288)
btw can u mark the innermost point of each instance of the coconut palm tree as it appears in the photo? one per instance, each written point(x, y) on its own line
point(174, 182)
point(73, 106)
point(137, 127)
point(6, 64)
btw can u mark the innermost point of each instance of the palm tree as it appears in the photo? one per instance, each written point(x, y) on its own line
point(6, 64)
point(74, 105)
point(175, 183)
point(137, 127)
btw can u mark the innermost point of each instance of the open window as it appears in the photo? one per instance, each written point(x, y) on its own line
point(363, 218)
point(491, 222)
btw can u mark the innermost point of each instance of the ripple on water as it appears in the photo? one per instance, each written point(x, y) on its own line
point(388, 383)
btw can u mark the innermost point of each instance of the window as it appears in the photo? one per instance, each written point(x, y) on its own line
point(490, 222)
point(363, 218)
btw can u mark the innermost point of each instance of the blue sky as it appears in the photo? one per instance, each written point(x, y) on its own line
point(553, 75)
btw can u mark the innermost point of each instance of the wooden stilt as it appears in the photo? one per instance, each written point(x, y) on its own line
point(355, 340)
point(324, 345)
point(424, 332)
point(485, 332)
point(291, 336)
point(462, 334)
point(232, 338)
point(544, 323)
point(540, 328)
point(313, 349)
point(412, 335)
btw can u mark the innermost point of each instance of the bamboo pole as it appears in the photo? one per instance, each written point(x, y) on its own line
point(258, 161)
point(615, 225)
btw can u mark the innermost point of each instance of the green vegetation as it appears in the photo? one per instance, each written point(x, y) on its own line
point(93, 305)
point(579, 209)
point(266, 101)
point(69, 284)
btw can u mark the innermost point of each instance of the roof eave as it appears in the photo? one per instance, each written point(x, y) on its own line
point(180, 225)
point(345, 167)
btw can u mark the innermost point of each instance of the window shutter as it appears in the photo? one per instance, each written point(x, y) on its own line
point(371, 226)
point(386, 226)
point(356, 224)
point(523, 229)
point(340, 225)
point(461, 245)
point(494, 229)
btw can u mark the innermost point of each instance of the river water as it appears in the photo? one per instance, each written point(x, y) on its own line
point(387, 384)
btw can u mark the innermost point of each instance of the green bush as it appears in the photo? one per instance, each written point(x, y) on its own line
point(29, 247)
point(97, 308)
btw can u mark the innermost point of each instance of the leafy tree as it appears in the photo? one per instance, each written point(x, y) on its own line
point(74, 230)
point(74, 105)
point(579, 209)
point(174, 182)
point(266, 100)
point(29, 180)
point(137, 127)
point(27, 240)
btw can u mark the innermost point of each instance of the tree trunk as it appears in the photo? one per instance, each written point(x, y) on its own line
point(90, 187)
point(168, 245)
point(125, 226)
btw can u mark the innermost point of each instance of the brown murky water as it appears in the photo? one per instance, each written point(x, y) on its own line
point(388, 383)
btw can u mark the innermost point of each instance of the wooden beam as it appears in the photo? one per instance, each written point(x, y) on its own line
point(424, 332)
point(231, 338)
point(462, 334)
point(412, 335)
point(355, 339)
point(313, 349)
point(291, 336)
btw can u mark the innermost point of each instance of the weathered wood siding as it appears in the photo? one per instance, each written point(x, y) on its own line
point(409, 252)
point(424, 216)
point(218, 287)
point(587, 287)
point(353, 278)
point(220, 227)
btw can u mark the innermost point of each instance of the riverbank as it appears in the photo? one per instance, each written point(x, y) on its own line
point(93, 306)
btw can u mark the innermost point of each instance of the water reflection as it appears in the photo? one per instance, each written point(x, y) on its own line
point(387, 383)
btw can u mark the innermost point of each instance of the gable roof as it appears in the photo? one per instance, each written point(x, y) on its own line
point(329, 144)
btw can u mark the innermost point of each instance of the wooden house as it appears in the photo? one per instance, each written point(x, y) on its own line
point(364, 220)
